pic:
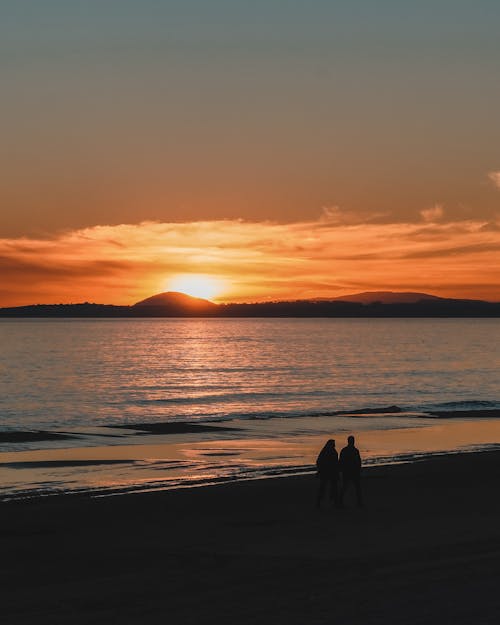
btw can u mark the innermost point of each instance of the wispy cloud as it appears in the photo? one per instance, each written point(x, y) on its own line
point(337, 215)
point(494, 176)
point(432, 214)
point(257, 260)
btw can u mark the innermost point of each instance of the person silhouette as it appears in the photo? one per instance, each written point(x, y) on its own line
point(350, 467)
point(327, 465)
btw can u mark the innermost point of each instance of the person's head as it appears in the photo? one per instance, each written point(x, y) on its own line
point(350, 441)
point(330, 444)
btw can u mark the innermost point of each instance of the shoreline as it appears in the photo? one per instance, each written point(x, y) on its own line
point(425, 549)
point(260, 450)
point(265, 473)
point(214, 423)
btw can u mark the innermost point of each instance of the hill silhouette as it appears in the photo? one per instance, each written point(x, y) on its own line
point(383, 304)
point(176, 302)
point(387, 297)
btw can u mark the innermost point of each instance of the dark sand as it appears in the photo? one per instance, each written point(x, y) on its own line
point(425, 549)
point(17, 436)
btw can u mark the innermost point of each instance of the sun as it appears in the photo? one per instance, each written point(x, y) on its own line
point(196, 285)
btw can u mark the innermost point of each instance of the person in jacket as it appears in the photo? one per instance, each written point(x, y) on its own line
point(327, 465)
point(350, 467)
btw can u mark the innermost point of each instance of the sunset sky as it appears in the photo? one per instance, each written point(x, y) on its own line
point(282, 148)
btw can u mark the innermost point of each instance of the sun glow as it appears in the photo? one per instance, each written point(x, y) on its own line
point(196, 285)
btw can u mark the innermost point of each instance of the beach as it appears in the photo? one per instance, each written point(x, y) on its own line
point(424, 549)
point(247, 248)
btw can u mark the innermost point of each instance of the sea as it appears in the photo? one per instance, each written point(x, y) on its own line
point(107, 406)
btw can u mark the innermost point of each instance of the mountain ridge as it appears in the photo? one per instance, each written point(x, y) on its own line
point(388, 297)
point(369, 304)
point(174, 299)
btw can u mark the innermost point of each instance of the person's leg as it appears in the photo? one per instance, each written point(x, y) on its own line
point(321, 491)
point(334, 490)
point(345, 485)
point(357, 485)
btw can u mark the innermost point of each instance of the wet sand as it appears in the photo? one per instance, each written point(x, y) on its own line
point(425, 549)
point(148, 461)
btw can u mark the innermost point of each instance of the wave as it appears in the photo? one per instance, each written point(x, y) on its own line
point(385, 411)
point(466, 409)
point(469, 404)
point(200, 422)
point(243, 396)
point(449, 410)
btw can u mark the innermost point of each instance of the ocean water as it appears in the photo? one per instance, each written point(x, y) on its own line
point(72, 373)
point(271, 390)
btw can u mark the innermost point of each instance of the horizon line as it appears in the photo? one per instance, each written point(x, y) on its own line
point(313, 299)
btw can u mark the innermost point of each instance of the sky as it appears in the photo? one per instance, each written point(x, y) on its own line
point(284, 148)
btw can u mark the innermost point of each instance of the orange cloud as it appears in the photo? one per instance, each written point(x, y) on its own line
point(258, 260)
point(432, 214)
point(494, 176)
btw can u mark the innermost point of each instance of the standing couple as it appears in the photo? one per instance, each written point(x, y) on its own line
point(329, 467)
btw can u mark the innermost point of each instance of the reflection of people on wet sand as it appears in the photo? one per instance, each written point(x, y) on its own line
point(350, 467)
point(328, 472)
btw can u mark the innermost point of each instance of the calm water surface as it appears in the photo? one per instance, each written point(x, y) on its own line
point(66, 373)
point(274, 382)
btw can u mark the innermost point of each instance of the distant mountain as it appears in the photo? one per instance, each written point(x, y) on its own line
point(176, 301)
point(387, 297)
point(66, 310)
point(383, 304)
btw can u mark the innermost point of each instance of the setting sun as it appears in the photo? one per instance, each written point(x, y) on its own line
point(196, 285)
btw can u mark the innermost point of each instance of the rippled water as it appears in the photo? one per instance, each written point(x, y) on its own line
point(70, 373)
point(272, 385)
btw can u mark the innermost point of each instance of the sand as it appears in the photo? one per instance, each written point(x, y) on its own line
point(425, 549)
